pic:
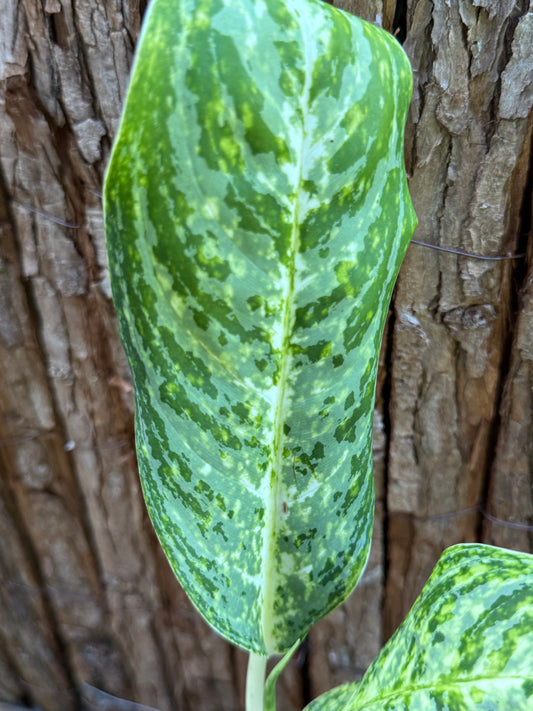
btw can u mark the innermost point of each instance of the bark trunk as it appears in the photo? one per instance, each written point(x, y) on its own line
point(90, 615)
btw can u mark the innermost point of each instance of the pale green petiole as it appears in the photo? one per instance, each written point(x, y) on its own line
point(255, 680)
point(261, 695)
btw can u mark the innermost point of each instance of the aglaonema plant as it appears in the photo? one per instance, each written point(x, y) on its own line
point(257, 214)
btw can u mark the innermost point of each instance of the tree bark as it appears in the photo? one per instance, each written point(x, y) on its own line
point(456, 319)
point(90, 615)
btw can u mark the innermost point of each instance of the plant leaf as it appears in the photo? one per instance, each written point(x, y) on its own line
point(467, 643)
point(256, 214)
point(337, 699)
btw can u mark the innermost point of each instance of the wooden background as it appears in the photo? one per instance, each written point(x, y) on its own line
point(91, 619)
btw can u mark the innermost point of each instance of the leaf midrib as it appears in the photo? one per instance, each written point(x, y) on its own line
point(280, 406)
point(415, 688)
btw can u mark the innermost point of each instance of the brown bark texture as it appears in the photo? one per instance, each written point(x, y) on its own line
point(91, 618)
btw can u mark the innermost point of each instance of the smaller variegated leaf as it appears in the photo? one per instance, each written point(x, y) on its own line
point(467, 643)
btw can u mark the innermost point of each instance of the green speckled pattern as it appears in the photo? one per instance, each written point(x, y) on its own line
point(257, 214)
point(466, 644)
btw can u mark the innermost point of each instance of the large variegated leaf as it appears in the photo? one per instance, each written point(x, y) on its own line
point(256, 215)
point(466, 644)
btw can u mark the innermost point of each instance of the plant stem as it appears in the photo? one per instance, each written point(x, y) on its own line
point(255, 681)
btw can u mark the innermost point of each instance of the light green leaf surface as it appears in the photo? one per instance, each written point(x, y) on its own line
point(257, 213)
point(466, 644)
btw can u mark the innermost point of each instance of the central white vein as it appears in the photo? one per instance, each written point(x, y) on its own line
point(275, 507)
